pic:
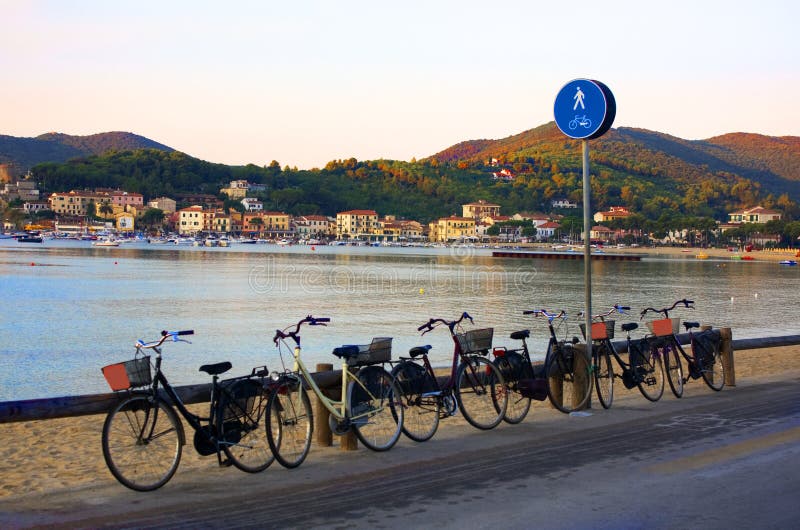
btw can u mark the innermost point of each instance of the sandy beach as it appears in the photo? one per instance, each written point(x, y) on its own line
point(62, 454)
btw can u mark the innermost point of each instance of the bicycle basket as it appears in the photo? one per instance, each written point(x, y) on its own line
point(664, 327)
point(475, 340)
point(600, 330)
point(128, 374)
point(378, 351)
point(243, 396)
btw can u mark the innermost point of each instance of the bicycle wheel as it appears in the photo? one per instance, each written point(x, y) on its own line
point(603, 375)
point(674, 369)
point(709, 359)
point(648, 373)
point(480, 392)
point(290, 423)
point(419, 398)
point(241, 418)
point(142, 442)
point(514, 368)
point(375, 409)
point(568, 378)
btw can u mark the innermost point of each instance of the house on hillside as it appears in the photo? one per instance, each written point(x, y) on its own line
point(480, 209)
point(616, 212)
point(753, 215)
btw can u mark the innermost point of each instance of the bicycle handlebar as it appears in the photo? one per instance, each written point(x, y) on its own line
point(430, 324)
point(543, 312)
point(689, 304)
point(310, 320)
point(615, 308)
point(164, 336)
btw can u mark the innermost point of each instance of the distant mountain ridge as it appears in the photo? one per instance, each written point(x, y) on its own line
point(24, 153)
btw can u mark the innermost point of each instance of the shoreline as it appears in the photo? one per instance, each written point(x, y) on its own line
point(45, 457)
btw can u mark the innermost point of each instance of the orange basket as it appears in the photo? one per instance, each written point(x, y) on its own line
point(600, 330)
point(129, 374)
point(664, 327)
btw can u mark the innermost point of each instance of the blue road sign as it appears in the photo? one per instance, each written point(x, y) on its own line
point(584, 109)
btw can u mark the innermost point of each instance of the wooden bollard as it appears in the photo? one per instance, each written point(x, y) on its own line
point(580, 364)
point(726, 352)
point(324, 435)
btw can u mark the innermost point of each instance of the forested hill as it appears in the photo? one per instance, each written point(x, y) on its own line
point(25, 153)
point(653, 174)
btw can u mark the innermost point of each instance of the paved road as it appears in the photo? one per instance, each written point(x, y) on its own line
point(709, 460)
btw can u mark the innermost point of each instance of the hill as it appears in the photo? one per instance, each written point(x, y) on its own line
point(24, 153)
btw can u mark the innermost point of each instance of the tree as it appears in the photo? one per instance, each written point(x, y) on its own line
point(91, 210)
point(106, 209)
point(152, 217)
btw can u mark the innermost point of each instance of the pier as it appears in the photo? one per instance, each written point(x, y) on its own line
point(564, 255)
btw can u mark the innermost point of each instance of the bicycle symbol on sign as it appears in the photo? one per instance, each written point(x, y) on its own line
point(583, 121)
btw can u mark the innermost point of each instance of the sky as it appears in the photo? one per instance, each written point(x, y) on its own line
point(307, 82)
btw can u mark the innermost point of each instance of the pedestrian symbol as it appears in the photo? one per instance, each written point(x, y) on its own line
point(578, 97)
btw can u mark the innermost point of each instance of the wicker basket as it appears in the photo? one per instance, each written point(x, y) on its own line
point(475, 340)
point(600, 330)
point(664, 327)
point(378, 351)
point(129, 374)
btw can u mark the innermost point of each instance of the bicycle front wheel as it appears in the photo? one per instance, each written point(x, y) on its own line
point(420, 399)
point(569, 378)
point(674, 369)
point(480, 392)
point(375, 409)
point(515, 368)
point(241, 425)
point(142, 442)
point(603, 375)
point(648, 373)
point(290, 423)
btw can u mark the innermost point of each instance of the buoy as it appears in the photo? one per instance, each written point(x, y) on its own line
point(33, 264)
point(313, 248)
point(421, 291)
point(115, 263)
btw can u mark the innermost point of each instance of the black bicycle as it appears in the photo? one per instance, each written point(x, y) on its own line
point(143, 437)
point(705, 360)
point(643, 369)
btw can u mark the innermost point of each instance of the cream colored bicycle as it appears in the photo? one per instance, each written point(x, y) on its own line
point(369, 402)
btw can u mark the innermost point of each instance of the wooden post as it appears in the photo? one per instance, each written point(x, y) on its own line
point(580, 363)
point(324, 435)
point(556, 388)
point(726, 352)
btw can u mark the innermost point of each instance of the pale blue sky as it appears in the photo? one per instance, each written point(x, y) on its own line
point(305, 82)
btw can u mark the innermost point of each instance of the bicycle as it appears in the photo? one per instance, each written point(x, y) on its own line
point(475, 385)
point(143, 437)
point(565, 372)
point(369, 402)
point(705, 360)
point(643, 370)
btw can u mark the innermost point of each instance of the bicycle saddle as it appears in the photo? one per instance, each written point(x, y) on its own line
point(519, 335)
point(419, 350)
point(690, 325)
point(216, 369)
point(346, 351)
point(629, 326)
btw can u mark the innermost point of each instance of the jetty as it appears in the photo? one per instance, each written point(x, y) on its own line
point(564, 255)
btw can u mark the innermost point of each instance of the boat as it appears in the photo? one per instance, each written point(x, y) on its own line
point(748, 258)
point(30, 238)
point(788, 262)
point(105, 242)
point(701, 255)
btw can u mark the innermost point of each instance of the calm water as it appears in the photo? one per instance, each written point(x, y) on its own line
point(79, 308)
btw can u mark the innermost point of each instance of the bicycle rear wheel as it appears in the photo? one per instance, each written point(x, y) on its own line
point(674, 369)
point(709, 359)
point(514, 367)
point(603, 375)
point(480, 392)
point(420, 399)
point(242, 426)
point(290, 423)
point(375, 408)
point(142, 442)
point(648, 372)
point(568, 378)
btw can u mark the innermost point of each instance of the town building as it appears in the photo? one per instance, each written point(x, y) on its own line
point(563, 203)
point(448, 229)
point(127, 200)
point(479, 210)
point(236, 190)
point(190, 220)
point(357, 224)
point(165, 204)
point(547, 230)
point(615, 212)
point(314, 226)
point(251, 204)
point(753, 215)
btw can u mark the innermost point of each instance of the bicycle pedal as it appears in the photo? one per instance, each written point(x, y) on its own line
point(225, 463)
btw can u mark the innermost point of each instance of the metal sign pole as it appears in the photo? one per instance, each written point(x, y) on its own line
point(587, 249)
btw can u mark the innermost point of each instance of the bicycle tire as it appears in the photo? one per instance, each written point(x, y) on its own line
point(603, 375)
point(711, 366)
point(674, 369)
point(648, 373)
point(290, 423)
point(422, 408)
point(480, 392)
point(569, 378)
point(241, 419)
point(142, 442)
point(377, 416)
point(514, 367)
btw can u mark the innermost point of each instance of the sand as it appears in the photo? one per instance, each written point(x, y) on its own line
point(62, 454)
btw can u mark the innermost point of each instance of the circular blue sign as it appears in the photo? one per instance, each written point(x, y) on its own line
point(584, 109)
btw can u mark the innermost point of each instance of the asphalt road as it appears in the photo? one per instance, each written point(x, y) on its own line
point(709, 460)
